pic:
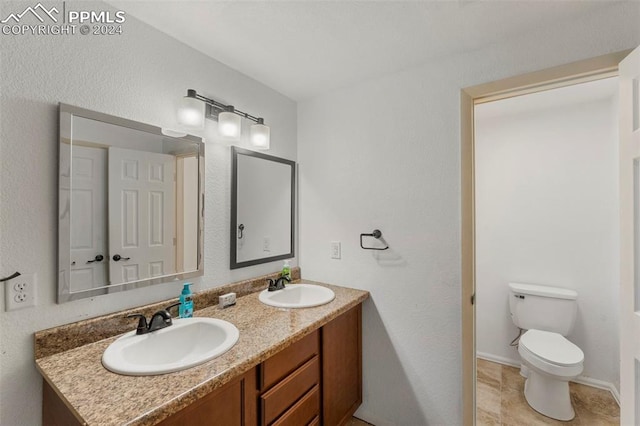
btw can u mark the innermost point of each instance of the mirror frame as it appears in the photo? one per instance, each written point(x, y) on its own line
point(64, 241)
point(235, 151)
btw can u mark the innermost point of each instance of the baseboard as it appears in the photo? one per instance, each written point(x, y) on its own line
point(583, 380)
point(600, 384)
point(498, 359)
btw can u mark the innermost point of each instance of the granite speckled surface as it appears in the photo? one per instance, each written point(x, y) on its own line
point(62, 338)
point(99, 397)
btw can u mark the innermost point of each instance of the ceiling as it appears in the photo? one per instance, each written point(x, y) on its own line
point(304, 48)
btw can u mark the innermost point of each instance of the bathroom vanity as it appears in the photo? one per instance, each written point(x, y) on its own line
point(289, 367)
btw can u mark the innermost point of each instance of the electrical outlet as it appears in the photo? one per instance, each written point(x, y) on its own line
point(335, 250)
point(266, 244)
point(20, 292)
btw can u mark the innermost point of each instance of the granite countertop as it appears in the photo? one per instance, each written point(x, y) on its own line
point(100, 397)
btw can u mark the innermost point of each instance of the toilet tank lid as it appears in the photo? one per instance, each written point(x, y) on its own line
point(543, 290)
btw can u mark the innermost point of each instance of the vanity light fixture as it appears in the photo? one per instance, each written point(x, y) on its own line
point(191, 111)
point(195, 108)
point(229, 123)
point(260, 135)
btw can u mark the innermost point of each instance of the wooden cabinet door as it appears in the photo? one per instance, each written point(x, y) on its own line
point(54, 410)
point(232, 405)
point(342, 367)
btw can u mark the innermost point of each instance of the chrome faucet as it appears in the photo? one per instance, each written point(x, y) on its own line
point(159, 320)
point(277, 284)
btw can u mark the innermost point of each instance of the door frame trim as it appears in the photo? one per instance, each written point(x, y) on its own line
point(564, 75)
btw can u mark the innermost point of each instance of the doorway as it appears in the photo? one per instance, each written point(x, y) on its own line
point(582, 71)
point(546, 176)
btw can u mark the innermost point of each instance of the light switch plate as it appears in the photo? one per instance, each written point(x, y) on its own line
point(336, 251)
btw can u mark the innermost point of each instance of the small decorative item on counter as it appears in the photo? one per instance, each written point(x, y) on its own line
point(186, 302)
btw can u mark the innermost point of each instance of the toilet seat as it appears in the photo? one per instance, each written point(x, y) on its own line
point(551, 353)
point(552, 348)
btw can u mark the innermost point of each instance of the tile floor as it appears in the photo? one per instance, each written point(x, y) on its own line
point(500, 401)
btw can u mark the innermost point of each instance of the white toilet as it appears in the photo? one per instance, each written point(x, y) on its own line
point(548, 314)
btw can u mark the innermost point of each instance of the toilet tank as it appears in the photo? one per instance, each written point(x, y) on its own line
point(542, 307)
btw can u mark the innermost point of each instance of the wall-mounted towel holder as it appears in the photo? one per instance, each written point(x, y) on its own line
point(10, 277)
point(375, 234)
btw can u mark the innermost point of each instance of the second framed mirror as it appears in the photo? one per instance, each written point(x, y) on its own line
point(262, 208)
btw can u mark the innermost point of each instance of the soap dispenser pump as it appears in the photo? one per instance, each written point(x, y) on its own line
point(186, 302)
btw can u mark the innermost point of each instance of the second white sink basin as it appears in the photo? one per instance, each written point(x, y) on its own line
point(297, 296)
point(185, 344)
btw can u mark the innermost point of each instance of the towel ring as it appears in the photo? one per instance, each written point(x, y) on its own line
point(377, 234)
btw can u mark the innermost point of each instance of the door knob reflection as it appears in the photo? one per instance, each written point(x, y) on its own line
point(98, 258)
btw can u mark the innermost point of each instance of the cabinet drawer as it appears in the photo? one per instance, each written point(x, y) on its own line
point(286, 393)
point(288, 360)
point(305, 412)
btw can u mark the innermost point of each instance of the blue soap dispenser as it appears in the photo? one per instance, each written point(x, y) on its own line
point(186, 302)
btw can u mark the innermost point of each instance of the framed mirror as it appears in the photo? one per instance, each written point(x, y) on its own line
point(131, 205)
point(262, 208)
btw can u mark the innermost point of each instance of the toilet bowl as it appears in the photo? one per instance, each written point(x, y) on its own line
point(552, 361)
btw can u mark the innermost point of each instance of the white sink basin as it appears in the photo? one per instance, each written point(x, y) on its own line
point(298, 296)
point(186, 343)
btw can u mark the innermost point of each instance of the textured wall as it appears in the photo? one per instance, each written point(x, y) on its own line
point(139, 75)
point(547, 213)
point(385, 154)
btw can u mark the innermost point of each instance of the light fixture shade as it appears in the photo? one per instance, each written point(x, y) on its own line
point(173, 133)
point(260, 135)
point(229, 125)
point(191, 112)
